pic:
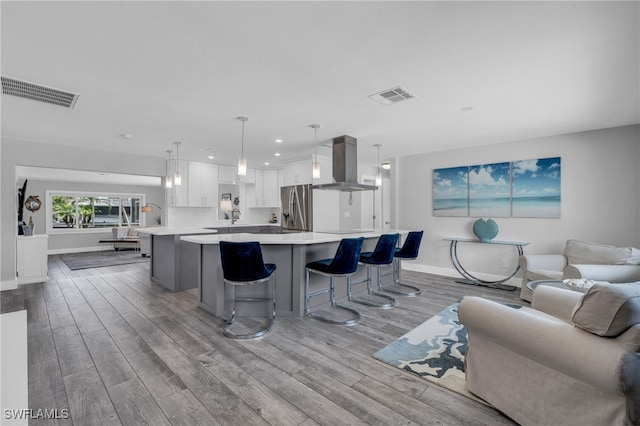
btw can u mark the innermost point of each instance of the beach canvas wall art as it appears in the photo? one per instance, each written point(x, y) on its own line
point(523, 188)
point(451, 192)
point(490, 190)
point(536, 188)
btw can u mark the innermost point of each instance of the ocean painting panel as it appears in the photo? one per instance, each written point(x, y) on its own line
point(536, 188)
point(450, 192)
point(490, 190)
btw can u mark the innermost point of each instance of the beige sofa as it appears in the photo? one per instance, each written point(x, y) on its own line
point(581, 259)
point(125, 233)
point(568, 360)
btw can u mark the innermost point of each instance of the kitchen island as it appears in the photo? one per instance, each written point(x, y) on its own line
point(172, 265)
point(290, 253)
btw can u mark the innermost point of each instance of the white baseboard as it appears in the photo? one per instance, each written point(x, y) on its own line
point(9, 284)
point(446, 272)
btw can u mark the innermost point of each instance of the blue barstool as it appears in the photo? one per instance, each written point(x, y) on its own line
point(343, 264)
point(381, 256)
point(408, 251)
point(242, 265)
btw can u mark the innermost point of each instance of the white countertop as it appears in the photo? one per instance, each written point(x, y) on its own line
point(179, 230)
point(293, 238)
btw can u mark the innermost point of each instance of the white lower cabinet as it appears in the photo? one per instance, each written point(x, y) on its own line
point(31, 258)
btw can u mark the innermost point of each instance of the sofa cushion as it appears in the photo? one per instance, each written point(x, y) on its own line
point(608, 309)
point(631, 338)
point(544, 274)
point(120, 232)
point(582, 252)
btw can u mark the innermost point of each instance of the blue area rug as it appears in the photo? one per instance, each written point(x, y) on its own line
point(434, 350)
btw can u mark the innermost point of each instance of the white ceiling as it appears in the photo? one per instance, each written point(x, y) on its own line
point(166, 71)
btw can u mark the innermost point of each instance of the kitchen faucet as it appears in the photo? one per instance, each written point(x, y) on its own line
point(235, 215)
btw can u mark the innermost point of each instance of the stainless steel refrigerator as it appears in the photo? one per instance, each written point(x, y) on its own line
point(297, 208)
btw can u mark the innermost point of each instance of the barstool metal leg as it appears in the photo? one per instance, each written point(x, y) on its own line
point(397, 286)
point(332, 298)
point(370, 291)
point(262, 331)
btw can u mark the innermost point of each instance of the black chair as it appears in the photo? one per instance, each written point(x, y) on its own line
point(381, 256)
point(242, 265)
point(343, 264)
point(408, 251)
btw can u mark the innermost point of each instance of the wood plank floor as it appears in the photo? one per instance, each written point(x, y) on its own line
point(114, 348)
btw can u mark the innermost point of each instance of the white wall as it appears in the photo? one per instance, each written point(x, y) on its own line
point(23, 153)
point(600, 199)
point(75, 242)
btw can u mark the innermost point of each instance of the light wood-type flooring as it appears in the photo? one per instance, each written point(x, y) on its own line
point(114, 348)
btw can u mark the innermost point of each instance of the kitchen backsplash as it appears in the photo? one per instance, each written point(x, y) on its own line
point(203, 216)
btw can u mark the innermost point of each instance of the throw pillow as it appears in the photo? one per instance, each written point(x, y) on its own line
point(121, 233)
point(587, 253)
point(607, 309)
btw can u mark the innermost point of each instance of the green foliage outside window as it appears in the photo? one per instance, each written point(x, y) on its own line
point(89, 211)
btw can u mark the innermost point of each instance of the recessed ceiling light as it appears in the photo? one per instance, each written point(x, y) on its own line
point(277, 154)
point(210, 157)
point(278, 140)
point(266, 163)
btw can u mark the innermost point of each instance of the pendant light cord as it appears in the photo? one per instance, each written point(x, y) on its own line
point(315, 149)
point(242, 148)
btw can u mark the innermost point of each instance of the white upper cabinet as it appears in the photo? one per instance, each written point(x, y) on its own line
point(267, 188)
point(270, 188)
point(203, 184)
point(259, 188)
point(298, 172)
point(178, 195)
point(229, 174)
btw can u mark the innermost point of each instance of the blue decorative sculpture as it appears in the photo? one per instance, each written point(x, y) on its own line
point(485, 230)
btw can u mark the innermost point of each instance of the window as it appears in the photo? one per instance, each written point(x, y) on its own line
point(82, 212)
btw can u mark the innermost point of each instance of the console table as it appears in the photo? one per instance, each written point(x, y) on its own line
point(470, 279)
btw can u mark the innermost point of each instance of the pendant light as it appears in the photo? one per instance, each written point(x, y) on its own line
point(379, 174)
point(316, 164)
point(177, 179)
point(242, 161)
point(168, 181)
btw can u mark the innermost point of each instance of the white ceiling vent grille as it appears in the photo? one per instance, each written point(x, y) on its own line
point(392, 96)
point(37, 92)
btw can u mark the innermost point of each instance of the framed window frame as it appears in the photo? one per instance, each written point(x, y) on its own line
point(50, 229)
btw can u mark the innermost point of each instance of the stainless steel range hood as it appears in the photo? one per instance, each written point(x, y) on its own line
point(345, 167)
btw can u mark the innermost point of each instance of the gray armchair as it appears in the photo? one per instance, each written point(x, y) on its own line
point(581, 259)
point(558, 362)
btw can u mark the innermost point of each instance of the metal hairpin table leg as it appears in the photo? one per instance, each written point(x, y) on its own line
point(470, 279)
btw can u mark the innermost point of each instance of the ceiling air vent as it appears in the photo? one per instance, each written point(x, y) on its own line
point(37, 92)
point(392, 96)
